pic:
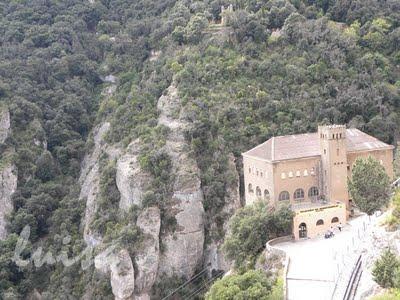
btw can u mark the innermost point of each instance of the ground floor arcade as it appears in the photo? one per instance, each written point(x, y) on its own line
point(314, 220)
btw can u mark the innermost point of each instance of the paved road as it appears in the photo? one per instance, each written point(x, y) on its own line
point(315, 264)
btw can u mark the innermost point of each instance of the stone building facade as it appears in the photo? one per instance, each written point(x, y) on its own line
point(310, 172)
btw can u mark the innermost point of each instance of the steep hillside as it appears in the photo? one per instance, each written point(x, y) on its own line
point(122, 124)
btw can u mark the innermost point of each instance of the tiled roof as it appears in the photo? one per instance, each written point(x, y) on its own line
point(307, 145)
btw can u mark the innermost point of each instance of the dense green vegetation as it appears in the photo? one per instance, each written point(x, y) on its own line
point(369, 185)
point(331, 62)
point(386, 270)
point(252, 285)
point(392, 294)
point(251, 227)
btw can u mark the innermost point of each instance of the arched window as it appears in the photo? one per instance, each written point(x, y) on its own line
point(266, 195)
point(283, 175)
point(249, 170)
point(335, 220)
point(320, 222)
point(258, 192)
point(250, 189)
point(313, 192)
point(298, 194)
point(290, 174)
point(312, 172)
point(283, 196)
point(297, 173)
point(305, 172)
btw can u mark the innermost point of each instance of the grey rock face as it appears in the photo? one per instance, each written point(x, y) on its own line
point(90, 181)
point(4, 124)
point(214, 256)
point(123, 277)
point(131, 180)
point(147, 258)
point(184, 247)
point(232, 198)
point(8, 185)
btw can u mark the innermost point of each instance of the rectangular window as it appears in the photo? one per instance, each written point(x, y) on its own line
point(337, 151)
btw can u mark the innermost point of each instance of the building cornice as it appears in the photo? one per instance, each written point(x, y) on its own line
point(256, 157)
point(389, 147)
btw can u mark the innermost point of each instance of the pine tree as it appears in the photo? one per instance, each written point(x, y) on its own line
point(385, 269)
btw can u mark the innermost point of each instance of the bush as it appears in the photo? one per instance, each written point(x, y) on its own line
point(252, 285)
point(251, 227)
point(385, 269)
point(393, 294)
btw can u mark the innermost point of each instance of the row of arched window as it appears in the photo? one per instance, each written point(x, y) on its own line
point(284, 195)
point(257, 172)
point(321, 222)
point(299, 194)
point(258, 192)
point(298, 173)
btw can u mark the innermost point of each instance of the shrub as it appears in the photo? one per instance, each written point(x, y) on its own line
point(385, 269)
point(251, 227)
point(252, 285)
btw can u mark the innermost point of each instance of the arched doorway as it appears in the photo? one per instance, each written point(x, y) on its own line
point(302, 230)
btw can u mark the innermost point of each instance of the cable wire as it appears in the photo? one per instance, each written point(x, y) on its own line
point(186, 283)
point(196, 292)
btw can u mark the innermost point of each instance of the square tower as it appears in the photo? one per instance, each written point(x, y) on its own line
point(334, 162)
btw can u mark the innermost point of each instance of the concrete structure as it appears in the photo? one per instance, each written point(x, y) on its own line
point(225, 14)
point(310, 172)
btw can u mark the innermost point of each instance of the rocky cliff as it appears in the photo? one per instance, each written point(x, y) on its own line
point(131, 180)
point(184, 247)
point(8, 185)
point(4, 124)
point(8, 175)
point(90, 180)
point(133, 277)
point(148, 257)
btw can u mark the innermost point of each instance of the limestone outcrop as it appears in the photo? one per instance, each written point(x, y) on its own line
point(184, 247)
point(8, 176)
point(133, 277)
point(4, 124)
point(90, 179)
point(147, 258)
point(214, 256)
point(8, 185)
point(123, 276)
point(131, 180)
point(232, 198)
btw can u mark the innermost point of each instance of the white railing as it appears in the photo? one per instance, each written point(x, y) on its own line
point(270, 248)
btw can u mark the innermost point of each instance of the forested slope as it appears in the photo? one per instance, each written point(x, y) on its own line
point(95, 154)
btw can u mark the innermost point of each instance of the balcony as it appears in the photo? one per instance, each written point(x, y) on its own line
point(311, 204)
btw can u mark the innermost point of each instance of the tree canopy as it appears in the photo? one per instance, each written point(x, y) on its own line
point(386, 270)
point(369, 185)
point(252, 285)
point(251, 227)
